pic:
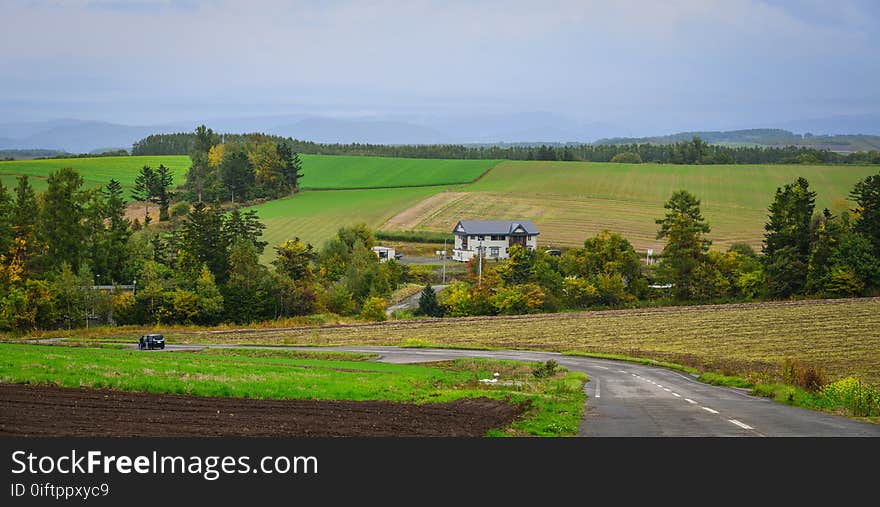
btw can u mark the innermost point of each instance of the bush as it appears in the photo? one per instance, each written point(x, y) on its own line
point(861, 400)
point(545, 370)
point(627, 157)
point(373, 309)
point(808, 377)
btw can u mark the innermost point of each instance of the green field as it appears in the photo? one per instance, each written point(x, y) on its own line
point(321, 171)
point(557, 403)
point(345, 172)
point(314, 216)
point(570, 201)
point(96, 171)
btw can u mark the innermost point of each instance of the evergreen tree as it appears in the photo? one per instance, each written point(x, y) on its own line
point(684, 229)
point(867, 195)
point(202, 237)
point(118, 232)
point(237, 174)
point(25, 210)
point(428, 304)
point(60, 221)
point(787, 241)
point(238, 226)
point(144, 184)
point(160, 191)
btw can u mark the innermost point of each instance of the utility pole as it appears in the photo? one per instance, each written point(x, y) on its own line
point(480, 264)
point(444, 261)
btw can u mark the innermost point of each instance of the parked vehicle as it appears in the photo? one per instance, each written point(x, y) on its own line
point(151, 341)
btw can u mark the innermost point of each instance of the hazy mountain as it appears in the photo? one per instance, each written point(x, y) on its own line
point(837, 125)
point(80, 136)
point(762, 137)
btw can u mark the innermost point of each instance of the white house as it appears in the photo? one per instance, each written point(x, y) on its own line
point(385, 253)
point(493, 237)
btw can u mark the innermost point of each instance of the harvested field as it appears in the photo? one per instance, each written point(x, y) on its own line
point(843, 335)
point(570, 201)
point(39, 410)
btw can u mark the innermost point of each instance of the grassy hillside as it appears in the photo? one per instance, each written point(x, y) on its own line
point(326, 171)
point(321, 171)
point(571, 200)
point(96, 171)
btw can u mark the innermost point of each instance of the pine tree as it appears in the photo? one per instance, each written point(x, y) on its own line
point(788, 240)
point(867, 195)
point(25, 209)
point(60, 222)
point(160, 191)
point(7, 234)
point(686, 245)
point(144, 184)
point(428, 304)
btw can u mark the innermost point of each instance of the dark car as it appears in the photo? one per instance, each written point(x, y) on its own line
point(398, 256)
point(554, 252)
point(151, 341)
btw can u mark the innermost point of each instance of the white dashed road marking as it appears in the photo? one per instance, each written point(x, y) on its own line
point(668, 390)
point(690, 400)
point(707, 409)
point(741, 425)
point(598, 395)
point(676, 395)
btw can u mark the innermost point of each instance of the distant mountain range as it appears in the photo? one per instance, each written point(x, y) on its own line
point(82, 136)
point(762, 137)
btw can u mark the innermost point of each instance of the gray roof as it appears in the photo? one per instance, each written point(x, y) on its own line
point(496, 227)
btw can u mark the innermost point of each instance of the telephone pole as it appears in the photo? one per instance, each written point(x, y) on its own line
point(444, 261)
point(480, 264)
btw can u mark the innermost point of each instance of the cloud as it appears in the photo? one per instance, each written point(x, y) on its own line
point(628, 60)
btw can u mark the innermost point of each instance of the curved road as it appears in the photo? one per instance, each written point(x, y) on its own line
point(626, 399)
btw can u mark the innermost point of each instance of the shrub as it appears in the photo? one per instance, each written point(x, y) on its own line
point(627, 157)
point(806, 376)
point(545, 370)
point(373, 309)
point(860, 399)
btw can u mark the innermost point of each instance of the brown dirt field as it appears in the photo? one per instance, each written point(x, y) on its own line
point(40, 411)
point(413, 218)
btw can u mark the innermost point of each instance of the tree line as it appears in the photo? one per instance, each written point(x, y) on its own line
point(694, 151)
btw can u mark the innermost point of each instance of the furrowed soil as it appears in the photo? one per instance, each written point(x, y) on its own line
point(39, 411)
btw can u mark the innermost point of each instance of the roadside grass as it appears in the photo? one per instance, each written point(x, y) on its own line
point(555, 404)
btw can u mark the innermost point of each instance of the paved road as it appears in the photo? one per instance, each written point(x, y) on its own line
point(412, 301)
point(626, 399)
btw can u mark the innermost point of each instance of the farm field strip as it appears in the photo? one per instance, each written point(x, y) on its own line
point(347, 172)
point(843, 336)
point(315, 216)
point(570, 201)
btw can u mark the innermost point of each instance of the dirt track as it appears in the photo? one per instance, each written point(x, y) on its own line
point(27, 410)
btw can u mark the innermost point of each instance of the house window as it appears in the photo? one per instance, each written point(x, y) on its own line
point(481, 238)
point(493, 251)
point(498, 238)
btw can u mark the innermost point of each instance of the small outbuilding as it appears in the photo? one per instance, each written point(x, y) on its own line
point(385, 253)
point(492, 237)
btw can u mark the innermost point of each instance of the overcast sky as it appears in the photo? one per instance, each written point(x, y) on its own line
point(667, 65)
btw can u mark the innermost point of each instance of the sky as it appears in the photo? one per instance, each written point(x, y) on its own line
point(652, 66)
